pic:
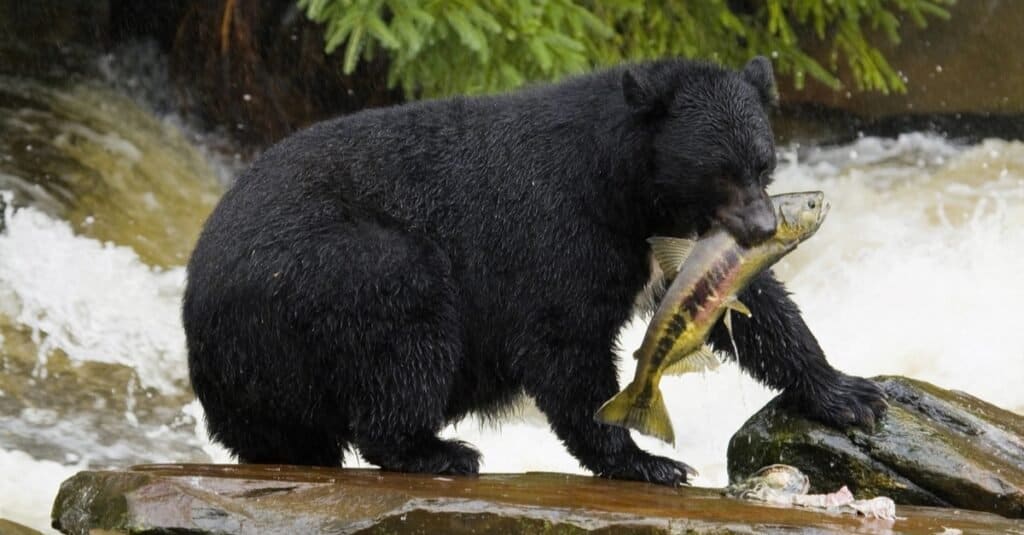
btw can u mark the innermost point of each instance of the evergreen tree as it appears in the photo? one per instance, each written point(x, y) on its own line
point(441, 47)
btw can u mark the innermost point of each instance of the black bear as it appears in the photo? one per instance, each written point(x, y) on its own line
point(373, 277)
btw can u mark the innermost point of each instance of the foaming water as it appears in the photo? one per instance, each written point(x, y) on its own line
point(915, 272)
point(94, 301)
point(90, 303)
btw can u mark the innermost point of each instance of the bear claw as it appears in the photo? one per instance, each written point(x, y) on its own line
point(642, 466)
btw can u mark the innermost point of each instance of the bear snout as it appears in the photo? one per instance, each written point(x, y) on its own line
point(750, 220)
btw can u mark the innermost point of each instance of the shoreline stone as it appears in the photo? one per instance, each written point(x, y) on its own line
point(8, 527)
point(283, 499)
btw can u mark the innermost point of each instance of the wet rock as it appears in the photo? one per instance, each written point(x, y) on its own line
point(277, 499)
point(936, 447)
point(13, 528)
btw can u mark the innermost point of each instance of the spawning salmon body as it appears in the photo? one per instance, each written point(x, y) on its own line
point(716, 269)
point(705, 275)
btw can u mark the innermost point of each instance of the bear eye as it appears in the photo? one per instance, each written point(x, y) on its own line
point(811, 204)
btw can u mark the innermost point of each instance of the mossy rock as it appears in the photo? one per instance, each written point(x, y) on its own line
point(935, 447)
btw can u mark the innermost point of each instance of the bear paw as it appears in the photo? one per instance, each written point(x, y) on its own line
point(639, 465)
point(430, 456)
point(841, 401)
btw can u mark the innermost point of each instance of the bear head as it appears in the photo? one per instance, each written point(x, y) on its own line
point(714, 151)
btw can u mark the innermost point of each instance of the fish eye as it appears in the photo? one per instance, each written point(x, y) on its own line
point(811, 204)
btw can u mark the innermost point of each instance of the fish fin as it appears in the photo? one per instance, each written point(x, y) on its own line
point(734, 303)
point(727, 321)
point(670, 253)
point(625, 410)
point(649, 299)
point(701, 360)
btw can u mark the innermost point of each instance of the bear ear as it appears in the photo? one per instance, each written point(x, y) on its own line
point(640, 93)
point(758, 73)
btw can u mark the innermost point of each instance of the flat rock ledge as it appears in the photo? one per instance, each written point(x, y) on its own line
point(8, 527)
point(283, 499)
point(935, 447)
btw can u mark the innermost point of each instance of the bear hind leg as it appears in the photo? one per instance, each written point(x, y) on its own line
point(404, 366)
point(276, 443)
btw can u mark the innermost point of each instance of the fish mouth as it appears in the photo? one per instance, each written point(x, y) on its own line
point(825, 207)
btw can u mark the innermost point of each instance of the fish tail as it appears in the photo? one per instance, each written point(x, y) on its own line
point(627, 409)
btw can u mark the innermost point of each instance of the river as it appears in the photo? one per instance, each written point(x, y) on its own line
point(917, 271)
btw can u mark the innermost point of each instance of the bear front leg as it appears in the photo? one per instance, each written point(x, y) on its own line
point(777, 348)
point(569, 388)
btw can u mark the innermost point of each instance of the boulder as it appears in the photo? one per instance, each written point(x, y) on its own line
point(281, 499)
point(935, 447)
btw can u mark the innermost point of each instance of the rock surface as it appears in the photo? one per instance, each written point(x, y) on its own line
point(277, 499)
point(13, 528)
point(936, 447)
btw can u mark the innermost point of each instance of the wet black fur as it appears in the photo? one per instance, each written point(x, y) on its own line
point(376, 276)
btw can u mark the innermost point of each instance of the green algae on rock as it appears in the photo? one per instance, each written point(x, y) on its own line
point(282, 499)
point(935, 447)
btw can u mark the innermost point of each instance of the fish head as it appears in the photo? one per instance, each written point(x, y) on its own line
point(799, 215)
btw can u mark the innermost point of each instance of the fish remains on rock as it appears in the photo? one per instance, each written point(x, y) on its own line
point(705, 275)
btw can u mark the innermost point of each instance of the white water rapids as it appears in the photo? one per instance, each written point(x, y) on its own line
point(917, 271)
